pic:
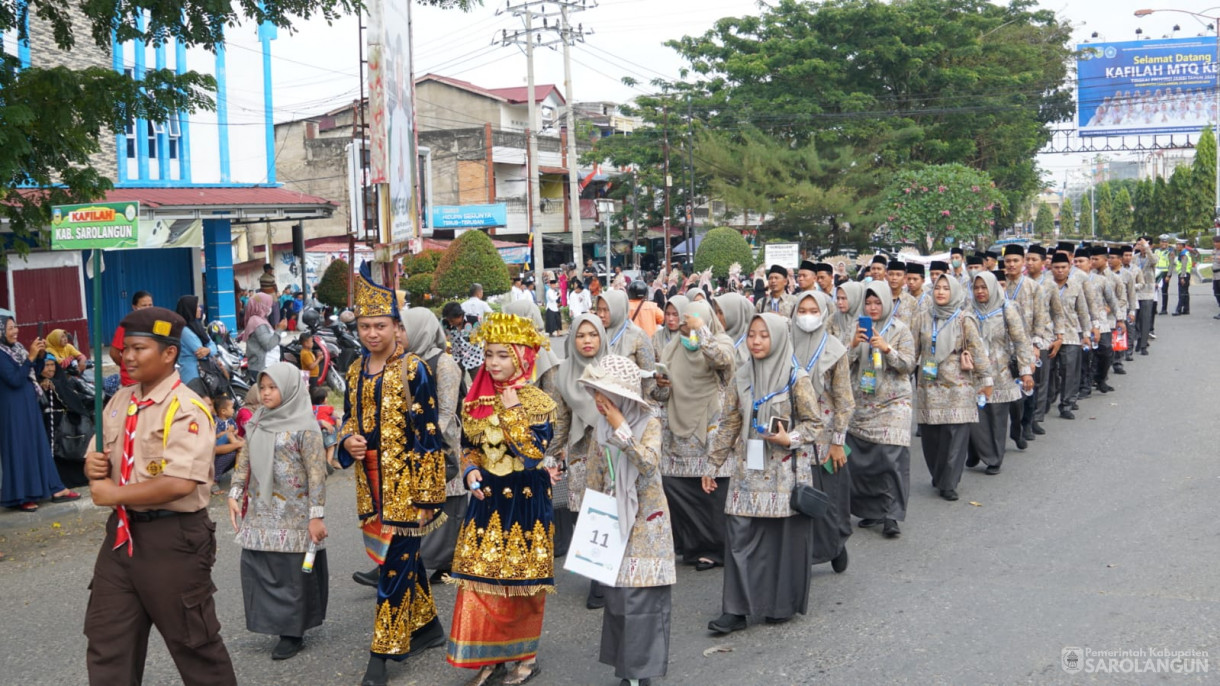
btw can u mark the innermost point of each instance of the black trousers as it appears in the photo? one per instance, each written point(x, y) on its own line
point(1183, 306)
point(1164, 279)
point(1066, 376)
point(1037, 404)
point(1143, 322)
point(1103, 357)
point(1084, 380)
point(1216, 287)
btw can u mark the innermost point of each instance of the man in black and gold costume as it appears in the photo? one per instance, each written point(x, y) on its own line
point(390, 433)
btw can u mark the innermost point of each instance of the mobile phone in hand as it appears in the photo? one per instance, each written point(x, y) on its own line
point(779, 425)
point(662, 370)
point(866, 323)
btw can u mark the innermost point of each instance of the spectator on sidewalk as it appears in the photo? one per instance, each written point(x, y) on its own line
point(475, 305)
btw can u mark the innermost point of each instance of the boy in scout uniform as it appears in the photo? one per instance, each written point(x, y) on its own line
point(155, 567)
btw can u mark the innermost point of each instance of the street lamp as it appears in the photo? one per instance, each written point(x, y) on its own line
point(1215, 23)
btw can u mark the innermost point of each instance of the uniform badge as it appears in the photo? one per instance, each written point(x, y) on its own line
point(132, 409)
point(156, 467)
point(193, 427)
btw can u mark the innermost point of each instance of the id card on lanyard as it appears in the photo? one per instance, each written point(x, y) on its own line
point(756, 448)
point(930, 368)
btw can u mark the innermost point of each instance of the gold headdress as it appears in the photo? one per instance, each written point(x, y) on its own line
point(499, 327)
point(371, 299)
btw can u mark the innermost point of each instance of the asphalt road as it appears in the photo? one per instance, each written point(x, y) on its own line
point(1102, 535)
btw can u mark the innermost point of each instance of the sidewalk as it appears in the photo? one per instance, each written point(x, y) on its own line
point(47, 512)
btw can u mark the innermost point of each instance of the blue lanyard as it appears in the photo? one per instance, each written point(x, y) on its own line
point(617, 336)
point(1020, 283)
point(921, 299)
point(984, 317)
point(816, 355)
point(936, 329)
point(740, 340)
point(760, 403)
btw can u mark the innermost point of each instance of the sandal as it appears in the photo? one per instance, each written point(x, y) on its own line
point(704, 564)
point(516, 677)
point(488, 674)
point(65, 498)
point(28, 507)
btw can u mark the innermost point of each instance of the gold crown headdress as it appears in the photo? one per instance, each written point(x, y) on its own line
point(372, 300)
point(499, 327)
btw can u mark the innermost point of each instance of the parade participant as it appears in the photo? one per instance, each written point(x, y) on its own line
point(735, 314)
point(952, 363)
point(915, 290)
point(824, 359)
point(504, 562)
point(957, 263)
point(391, 434)
point(1183, 265)
point(155, 566)
point(876, 268)
point(768, 561)
point(936, 268)
point(880, 431)
point(1077, 327)
point(849, 305)
point(700, 363)
point(139, 301)
point(1124, 286)
point(1082, 273)
point(806, 276)
point(635, 625)
point(896, 278)
point(777, 299)
point(991, 260)
point(284, 457)
point(575, 417)
point(1115, 316)
point(1146, 292)
point(669, 328)
point(1047, 340)
point(625, 338)
point(974, 265)
point(1022, 293)
point(825, 275)
point(1133, 298)
point(1004, 338)
point(426, 340)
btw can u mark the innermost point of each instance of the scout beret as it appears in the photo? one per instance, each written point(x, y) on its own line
point(157, 323)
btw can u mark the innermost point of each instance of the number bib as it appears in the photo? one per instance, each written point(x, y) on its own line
point(598, 545)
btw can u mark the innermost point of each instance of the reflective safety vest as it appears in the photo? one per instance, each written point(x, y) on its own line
point(1186, 263)
point(1162, 260)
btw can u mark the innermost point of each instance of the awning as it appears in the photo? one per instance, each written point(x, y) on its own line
point(553, 170)
point(680, 249)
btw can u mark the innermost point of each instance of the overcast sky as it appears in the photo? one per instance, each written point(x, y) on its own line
point(315, 68)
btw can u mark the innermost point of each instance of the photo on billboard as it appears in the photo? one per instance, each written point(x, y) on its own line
point(1146, 87)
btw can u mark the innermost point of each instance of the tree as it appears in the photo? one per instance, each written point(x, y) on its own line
point(1202, 202)
point(332, 288)
point(55, 119)
point(471, 258)
point(1067, 220)
point(941, 201)
point(939, 81)
point(1044, 222)
point(1123, 218)
point(423, 262)
point(1105, 211)
point(1088, 221)
point(720, 248)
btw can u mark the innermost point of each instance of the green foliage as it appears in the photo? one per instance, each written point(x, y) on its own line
point(1088, 224)
point(424, 262)
point(947, 200)
point(332, 288)
point(471, 258)
point(1105, 211)
point(1067, 220)
point(1201, 198)
point(1120, 225)
point(420, 288)
point(1044, 222)
point(721, 247)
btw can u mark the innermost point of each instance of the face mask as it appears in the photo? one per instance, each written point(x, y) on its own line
point(956, 263)
point(688, 343)
point(808, 322)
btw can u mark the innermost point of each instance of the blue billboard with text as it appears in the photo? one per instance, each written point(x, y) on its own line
point(469, 216)
point(1146, 87)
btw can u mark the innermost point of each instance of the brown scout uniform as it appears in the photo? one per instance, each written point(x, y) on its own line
point(167, 580)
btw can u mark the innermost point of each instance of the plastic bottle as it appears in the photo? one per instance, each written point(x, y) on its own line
point(310, 554)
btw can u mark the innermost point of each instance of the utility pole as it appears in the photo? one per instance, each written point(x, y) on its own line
point(569, 37)
point(635, 215)
point(525, 11)
point(690, 195)
point(665, 222)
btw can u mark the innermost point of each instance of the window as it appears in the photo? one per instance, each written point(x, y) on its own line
point(129, 136)
point(152, 140)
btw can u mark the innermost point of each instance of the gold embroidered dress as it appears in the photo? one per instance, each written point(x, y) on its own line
point(504, 562)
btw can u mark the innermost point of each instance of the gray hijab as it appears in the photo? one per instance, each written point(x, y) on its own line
point(995, 301)
point(663, 335)
point(760, 378)
point(424, 334)
point(946, 335)
point(567, 377)
point(620, 327)
point(805, 344)
point(847, 322)
point(694, 394)
point(293, 414)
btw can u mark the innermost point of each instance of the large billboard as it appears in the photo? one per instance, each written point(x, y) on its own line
point(1146, 87)
point(391, 115)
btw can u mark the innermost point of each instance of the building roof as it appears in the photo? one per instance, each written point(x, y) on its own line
point(238, 203)
point(519, 94)
point(464, 85)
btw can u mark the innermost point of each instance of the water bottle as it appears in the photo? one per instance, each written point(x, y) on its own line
point(310, 554)
point(981, 400)
point(1021, 387)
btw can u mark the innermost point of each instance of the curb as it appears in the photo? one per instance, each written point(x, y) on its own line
point(47, 512)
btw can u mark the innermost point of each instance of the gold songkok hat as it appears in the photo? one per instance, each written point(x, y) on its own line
point(509, 329)
point(371, 299)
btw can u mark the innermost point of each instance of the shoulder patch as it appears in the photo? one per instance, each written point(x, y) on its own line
point(193, 427)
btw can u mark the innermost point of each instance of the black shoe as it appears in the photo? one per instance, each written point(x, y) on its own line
point(1216, 317)
point(1144, 352)
point(1066, 414)
point(642, 682)
point(367, 578)
point(1027, 432)
point(704, 565)
point(1120, 370)
point(727, 624)
point(777, 620)
point(866, 523)
point(1085, 393)
point(287, 647)
point(948, 494)
point(1037, 429)
point(992, 470)
point(972, 461)
point(891, 529)
point(1105, 388)
point(1176, 314)
point(438, 577)
point(1022, 444)
point(1075, 407)
point(839, 563)
point(1130, 357)
point(596, 599)
point(375, 673)
point(430, 636)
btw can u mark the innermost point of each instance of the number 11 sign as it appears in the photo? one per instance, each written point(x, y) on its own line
point(597, 543)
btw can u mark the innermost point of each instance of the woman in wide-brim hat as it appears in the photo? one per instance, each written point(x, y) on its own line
point(635, 624)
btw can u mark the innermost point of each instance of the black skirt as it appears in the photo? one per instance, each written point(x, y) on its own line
point(280, 599)
point(768, 566)
point(635, 631)
point(698, 517)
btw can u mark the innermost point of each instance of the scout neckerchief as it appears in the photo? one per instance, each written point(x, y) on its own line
point(122, 530)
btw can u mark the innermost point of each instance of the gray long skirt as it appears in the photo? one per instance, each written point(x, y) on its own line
point(698, 517)
point(635, 631)
point(280, 599)
point(437, 547)
point(880, 479)
point(767, 566)
point(989, 435)
point(944, 449)
point(830, 533)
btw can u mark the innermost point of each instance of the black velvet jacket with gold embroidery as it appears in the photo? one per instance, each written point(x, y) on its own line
point(395, 411)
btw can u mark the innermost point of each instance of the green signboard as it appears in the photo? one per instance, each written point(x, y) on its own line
point(95, 226)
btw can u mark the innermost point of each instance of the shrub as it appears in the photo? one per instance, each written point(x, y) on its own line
point(721, 247)
point(332, 288)
point(420, 287)
point(422, 263)
point(472, 258)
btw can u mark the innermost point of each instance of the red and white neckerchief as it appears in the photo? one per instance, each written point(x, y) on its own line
point(122, 532)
